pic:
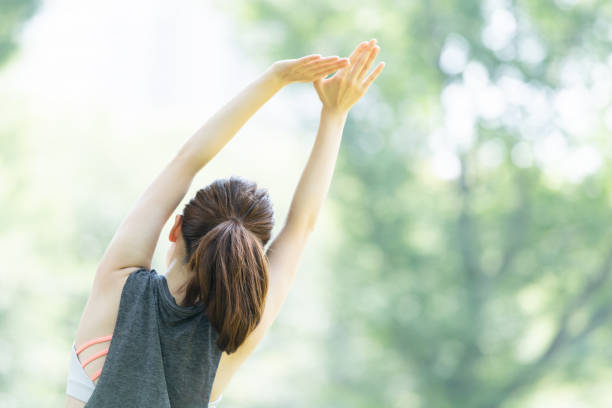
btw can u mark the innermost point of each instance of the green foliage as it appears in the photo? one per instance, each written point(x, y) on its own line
point(13, 15)
point(468, 292)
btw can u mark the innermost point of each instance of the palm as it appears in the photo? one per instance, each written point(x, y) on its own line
point(348, 84)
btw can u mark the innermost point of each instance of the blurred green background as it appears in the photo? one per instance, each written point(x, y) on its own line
point(462, 258)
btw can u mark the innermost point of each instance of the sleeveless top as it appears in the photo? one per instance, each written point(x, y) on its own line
point(161, 355)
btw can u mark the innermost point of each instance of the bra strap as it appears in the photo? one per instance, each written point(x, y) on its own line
point(92, 342)
point(97, 374)
point(95, 356)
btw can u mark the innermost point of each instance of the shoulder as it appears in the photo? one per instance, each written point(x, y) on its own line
point(111, 282)
point(102, 307)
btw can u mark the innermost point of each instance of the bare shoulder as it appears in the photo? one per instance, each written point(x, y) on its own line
point(100, 313)
point(108, 284)
point(105, 280)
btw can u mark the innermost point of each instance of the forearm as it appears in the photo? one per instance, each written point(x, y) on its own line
point(317, 175)
point(225, 123)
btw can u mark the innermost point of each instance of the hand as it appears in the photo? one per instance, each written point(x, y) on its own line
point(306, 69)
point(341, 91)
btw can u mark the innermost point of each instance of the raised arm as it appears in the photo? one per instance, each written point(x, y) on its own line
point(338, 94)
point(223, 125)
point(136, 237)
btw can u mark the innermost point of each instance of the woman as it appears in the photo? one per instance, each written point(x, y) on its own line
point(175, 340)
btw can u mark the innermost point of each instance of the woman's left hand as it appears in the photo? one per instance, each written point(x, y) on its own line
point(306, 69)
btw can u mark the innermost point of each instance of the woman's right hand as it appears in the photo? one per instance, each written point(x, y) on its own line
point(341, 91)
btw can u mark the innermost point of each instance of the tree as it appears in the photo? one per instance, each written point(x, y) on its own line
point(464, 292)
point(13, 14)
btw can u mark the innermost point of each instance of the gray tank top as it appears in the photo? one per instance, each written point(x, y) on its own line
point(161, 355)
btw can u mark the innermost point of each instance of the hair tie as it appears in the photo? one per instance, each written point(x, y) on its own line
point(235, 219)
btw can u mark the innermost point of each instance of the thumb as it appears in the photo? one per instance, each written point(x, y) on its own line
point(317, 84)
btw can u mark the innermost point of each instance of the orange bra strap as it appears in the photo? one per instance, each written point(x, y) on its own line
point(92, 342)
point(96, 375)
point(92, 358)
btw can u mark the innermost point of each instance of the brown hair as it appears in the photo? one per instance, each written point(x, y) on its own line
point(225, 227)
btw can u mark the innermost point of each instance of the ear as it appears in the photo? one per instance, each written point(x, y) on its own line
point(176, 228)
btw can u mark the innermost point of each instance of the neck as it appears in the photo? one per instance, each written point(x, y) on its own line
point(177, 276)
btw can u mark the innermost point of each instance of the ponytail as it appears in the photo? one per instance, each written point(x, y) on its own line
point(230, 270)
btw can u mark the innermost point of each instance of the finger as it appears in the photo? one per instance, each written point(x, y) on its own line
point(324, 74)
point(331, 65)
point(354, 57)
point(309, 58)
point(373, 75)
point(321, 61)
point(357, 50)
point(341, 71)
point(368, 63)
point(358, 66)
point(361, 47)
point(353, 60)
point(362, 50)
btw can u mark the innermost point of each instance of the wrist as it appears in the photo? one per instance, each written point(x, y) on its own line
point(274, 76)
point(334, 112)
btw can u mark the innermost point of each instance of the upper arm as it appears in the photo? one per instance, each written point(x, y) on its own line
point(284, 254)
point(136, 237)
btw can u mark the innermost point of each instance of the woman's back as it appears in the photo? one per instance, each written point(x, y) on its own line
point(166, 352)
